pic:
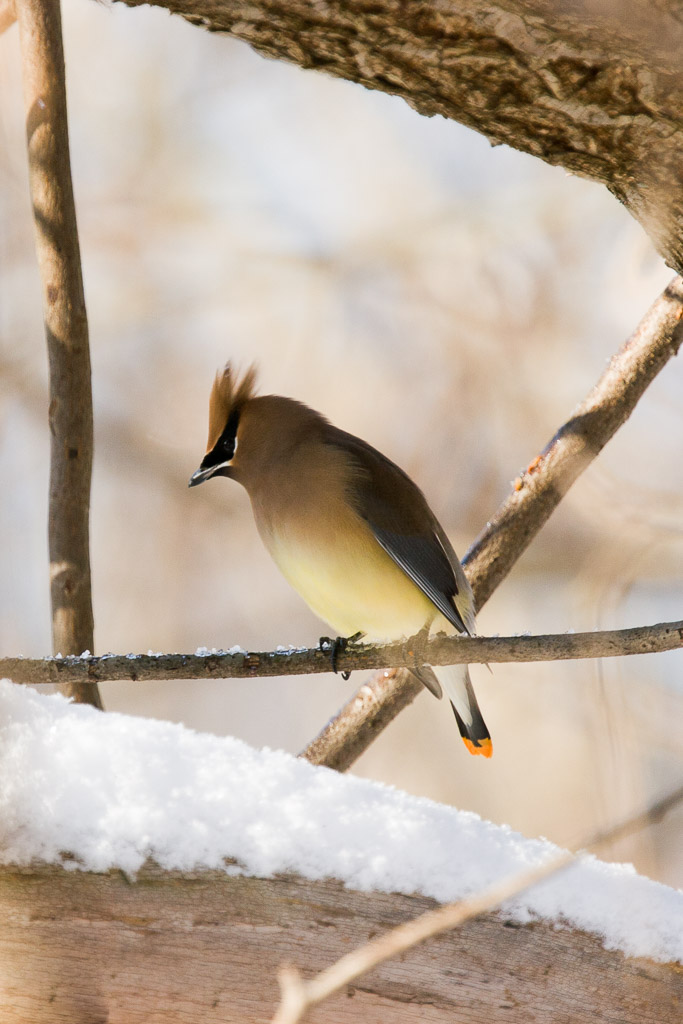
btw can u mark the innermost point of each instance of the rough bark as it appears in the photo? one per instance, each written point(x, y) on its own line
point(595, 86)
point(66, 329)
point(80, 948)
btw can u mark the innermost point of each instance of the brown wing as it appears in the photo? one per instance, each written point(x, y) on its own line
point(397, 512)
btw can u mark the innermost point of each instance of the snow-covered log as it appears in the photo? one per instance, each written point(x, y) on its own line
point(149, 873)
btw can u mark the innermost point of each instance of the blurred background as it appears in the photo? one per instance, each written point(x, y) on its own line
point(447, 301)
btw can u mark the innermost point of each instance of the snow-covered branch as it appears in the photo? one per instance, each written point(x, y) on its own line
point(440, 650)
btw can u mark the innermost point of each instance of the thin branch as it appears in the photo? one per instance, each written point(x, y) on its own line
point(299, 996)
point(537, 492)
point(440, 650)
point(535, 495)
point(66, 329)
point(8, 14)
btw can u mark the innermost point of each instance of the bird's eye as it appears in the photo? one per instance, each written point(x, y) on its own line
point(227, 446)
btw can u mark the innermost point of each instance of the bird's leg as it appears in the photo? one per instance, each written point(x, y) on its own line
point(340, 643)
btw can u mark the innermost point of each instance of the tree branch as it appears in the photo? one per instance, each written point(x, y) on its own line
point(594, 86)
point(440, 650)
point(537, 492)
point(66, 329)
point(298, 996)
point(535, 495)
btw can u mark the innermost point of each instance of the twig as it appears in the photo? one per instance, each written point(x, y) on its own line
point(66, 329)
point(299, 996)
point(535, 495)
point(441, 650)
point(8, 14)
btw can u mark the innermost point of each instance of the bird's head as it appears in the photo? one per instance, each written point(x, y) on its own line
point(229, 397)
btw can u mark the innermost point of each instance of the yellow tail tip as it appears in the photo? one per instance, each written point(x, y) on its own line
point(483, 748)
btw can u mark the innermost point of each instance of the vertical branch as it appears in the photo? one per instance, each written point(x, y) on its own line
point(66, 329)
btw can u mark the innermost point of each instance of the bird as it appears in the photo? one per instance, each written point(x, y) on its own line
point(347, 528)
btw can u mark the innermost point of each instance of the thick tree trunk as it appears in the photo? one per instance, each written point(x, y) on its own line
point(80, 948)
point(593, 85)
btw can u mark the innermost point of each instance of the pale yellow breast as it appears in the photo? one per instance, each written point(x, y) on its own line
point(328, 553)
point(349, 581)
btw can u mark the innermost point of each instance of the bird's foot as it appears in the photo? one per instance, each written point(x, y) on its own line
point(336, 647)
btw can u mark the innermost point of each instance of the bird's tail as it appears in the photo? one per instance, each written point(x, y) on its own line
point(456, 682)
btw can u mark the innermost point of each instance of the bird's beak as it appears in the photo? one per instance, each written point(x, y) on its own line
point(201, 475)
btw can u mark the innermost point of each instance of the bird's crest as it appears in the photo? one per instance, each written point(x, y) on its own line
point(228, 395)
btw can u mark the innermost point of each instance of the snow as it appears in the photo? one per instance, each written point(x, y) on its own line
point(206, 652)
point(98, 791)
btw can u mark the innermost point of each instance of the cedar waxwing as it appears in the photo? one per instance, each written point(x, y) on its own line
point(347, 528)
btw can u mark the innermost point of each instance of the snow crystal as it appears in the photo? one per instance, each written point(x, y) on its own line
point(206, 652)
point(112, 790)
